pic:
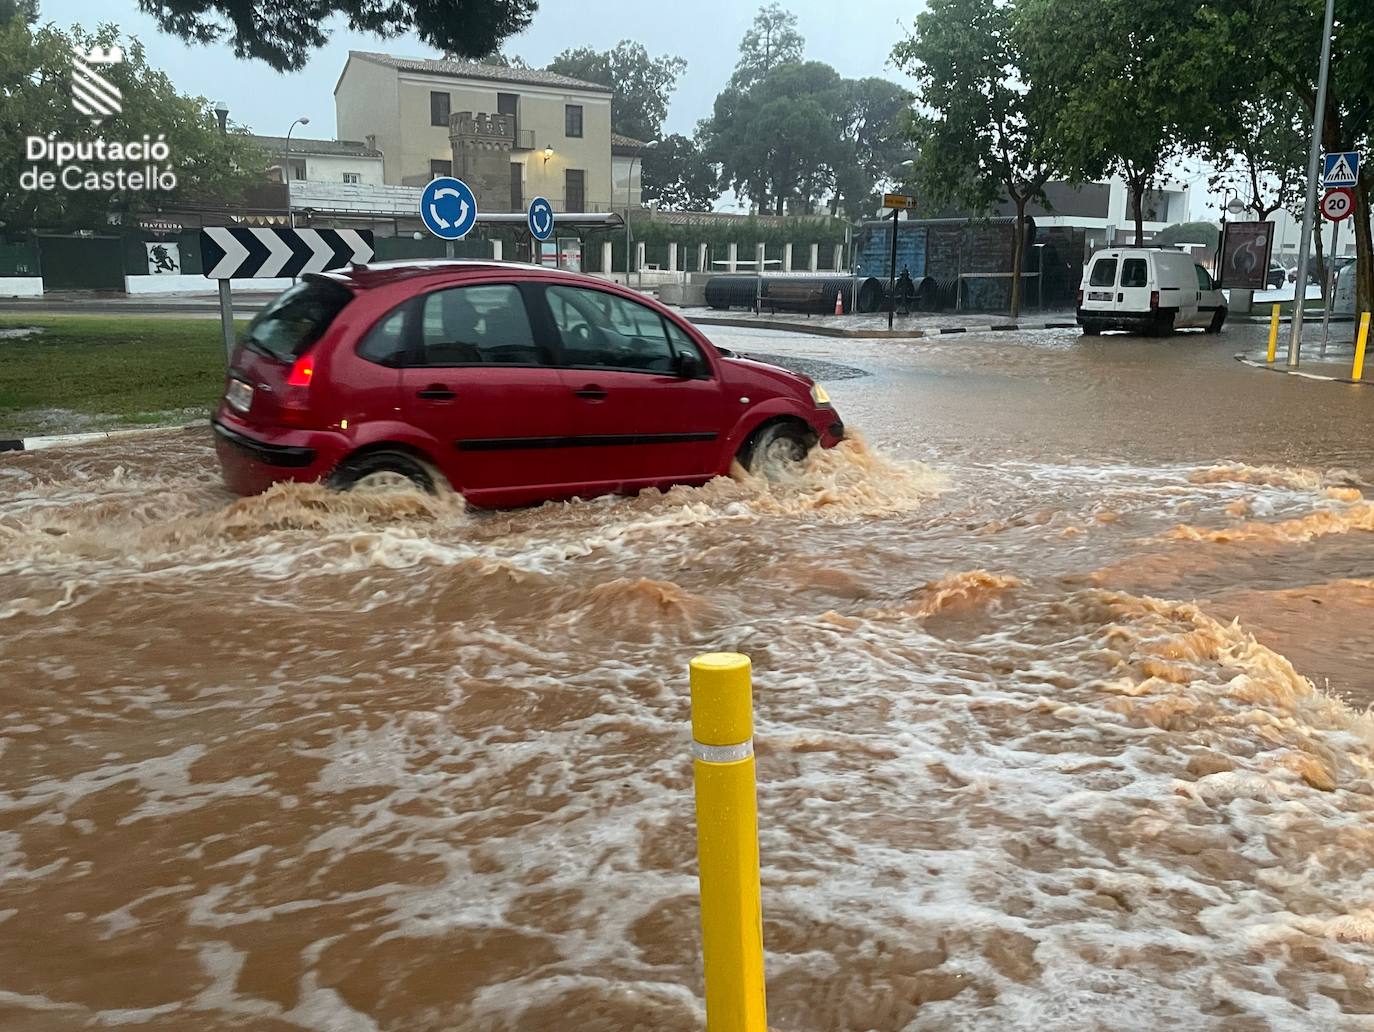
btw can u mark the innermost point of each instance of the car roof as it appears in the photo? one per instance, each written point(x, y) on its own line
point(381, 274)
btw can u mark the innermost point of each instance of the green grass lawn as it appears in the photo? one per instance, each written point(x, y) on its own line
point(106, 372)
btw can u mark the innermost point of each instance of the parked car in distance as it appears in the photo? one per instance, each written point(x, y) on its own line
point(1149, 291)
point(512, 384)
point(1278, 276)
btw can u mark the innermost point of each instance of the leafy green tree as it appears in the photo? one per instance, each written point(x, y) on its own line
point(1189, 233)
point(1116, 67)
point(872, 117)
point(24, 10)
point(35, 66)
point(772, 40)
point(677, 175)
point(777, 141)
point(640, 85)
point(284, 33)
point(986, 131)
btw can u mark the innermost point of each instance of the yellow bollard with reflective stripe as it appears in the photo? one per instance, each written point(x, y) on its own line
point(728, 842)
point(1360, 342)
point(1274, 333)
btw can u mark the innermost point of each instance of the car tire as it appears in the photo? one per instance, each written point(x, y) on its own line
point(1164, 325)
point(775, 448)
point(375, 467)
point(1218, 321)
point(1091, 329)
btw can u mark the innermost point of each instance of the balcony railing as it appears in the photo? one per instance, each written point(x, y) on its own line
point(524, 139)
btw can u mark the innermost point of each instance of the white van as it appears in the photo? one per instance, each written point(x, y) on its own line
point(1148, 290)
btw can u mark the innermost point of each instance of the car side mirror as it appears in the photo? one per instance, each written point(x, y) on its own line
point(688, 365)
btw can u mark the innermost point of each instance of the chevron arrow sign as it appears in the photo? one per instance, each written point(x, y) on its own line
point(234, 252)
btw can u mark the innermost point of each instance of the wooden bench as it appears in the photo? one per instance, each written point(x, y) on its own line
point(796, 297)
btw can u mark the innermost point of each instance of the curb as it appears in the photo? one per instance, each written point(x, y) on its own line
point(17, 444)
point(1266, 367)
point(840, 331)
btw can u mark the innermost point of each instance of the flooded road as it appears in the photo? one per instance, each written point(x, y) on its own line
point(1061, 672)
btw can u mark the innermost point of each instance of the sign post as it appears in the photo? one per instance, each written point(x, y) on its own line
point(898, 203)
point(229, 253)
point(1337, 205)
point(448, 208)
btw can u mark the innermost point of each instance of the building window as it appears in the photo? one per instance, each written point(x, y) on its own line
point(517, 192)
point(352, 177)
point(297, 168)
point(438, 109)
point(509, 104)
point(575, 190)
point(572, 119)
point(440, 168)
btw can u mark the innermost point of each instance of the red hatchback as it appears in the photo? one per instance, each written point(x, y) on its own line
point(512, 383)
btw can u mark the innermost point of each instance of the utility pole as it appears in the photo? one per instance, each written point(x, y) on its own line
point(1309, 207)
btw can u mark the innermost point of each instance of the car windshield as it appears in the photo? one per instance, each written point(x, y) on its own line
point(296, 319)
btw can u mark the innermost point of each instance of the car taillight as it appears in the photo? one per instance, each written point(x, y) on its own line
point(295, 398)
point(1080, 299)
point(1154, 300)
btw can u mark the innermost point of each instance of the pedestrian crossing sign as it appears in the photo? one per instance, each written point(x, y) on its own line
point(1342, 169)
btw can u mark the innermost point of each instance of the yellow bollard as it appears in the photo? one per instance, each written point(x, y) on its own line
point(1360, 342)
point(1273, 334)
point(728, 842)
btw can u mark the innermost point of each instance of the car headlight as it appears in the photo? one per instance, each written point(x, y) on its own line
point(818, 395)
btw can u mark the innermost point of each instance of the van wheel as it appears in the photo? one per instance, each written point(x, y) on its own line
point(381, 471)
point(1164, 324)
point(1218, 321)
point(1092, 329)
point(776, 449)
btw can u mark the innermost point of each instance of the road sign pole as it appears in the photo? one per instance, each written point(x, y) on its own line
point(1329, 286)
point(1309, 207)
point(892, 272)
point(226, 317)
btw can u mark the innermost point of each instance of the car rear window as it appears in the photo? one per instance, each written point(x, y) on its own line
point(1134, 273)
point(296, 318)
point(1104, 273)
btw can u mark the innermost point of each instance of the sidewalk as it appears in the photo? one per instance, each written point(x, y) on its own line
point(1334, 366)
point(874, 325)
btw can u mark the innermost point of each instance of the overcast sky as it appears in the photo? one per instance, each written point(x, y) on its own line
point(856, 37)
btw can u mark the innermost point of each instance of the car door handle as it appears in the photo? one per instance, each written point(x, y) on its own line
point(435, 392)
point(591, 391)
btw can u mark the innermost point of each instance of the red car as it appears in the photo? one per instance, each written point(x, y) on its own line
point(513, 384)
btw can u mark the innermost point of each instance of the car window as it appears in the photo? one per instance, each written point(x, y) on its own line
point(482, 325)
point(1204, 278)
point(1134, 273)
point(296, 318)
point(385, 342)
point(1104, 273)
point(598, 329)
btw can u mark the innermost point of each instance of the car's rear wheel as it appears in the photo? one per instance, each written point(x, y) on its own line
point(383, 470)
point(776, 450)
point(1091, 329)
point(1164, 324)
point(1218, 321)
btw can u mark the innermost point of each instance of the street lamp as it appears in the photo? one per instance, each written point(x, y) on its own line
point(548, 153)
point(290, 211)
point(629, 186)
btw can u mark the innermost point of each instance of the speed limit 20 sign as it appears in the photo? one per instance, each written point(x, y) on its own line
point(1338, 204)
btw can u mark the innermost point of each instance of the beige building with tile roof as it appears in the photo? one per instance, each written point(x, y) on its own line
point(543, 134)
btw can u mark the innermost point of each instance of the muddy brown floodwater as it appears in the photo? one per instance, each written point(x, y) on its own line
point(1061, 676)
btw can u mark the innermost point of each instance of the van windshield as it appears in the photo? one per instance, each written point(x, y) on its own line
point(296, 319)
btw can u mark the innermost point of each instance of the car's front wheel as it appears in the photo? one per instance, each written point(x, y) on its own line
point(1218, 321)
point(381, 471)
point(776, 449)
point(1091, 329)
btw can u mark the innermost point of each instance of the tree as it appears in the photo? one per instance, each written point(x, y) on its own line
point(1189, 233)
point(640, 85)
point(872, 118)
point(777, 141)
point(1261, 155)
point(1126, 104)
point(24, 10)
point(284, 33)
point(677, 175)
point(986, 129)
point(35, 85)
point(772, 40)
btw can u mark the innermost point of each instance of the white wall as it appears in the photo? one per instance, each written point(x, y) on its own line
point(620, 172)
point(21, 286)
point(329, 168)
point(367, 199)
point(182, 285)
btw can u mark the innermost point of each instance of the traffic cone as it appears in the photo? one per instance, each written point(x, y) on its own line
point(839, 305)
